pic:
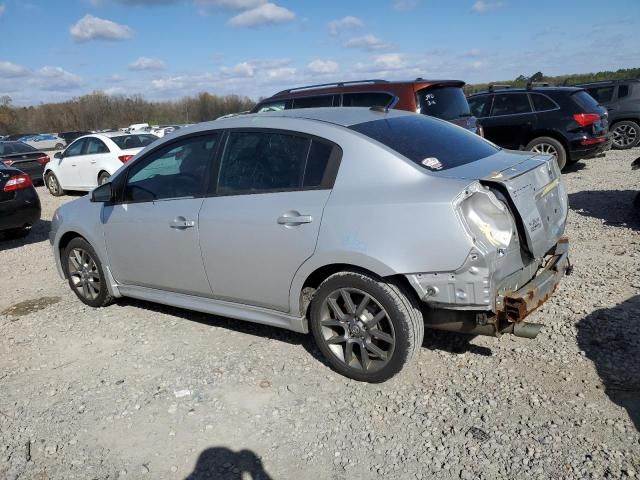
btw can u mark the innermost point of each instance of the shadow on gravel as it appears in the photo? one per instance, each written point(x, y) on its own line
point(452, 342)
point(39, 233)
point(574, 167)
point(614, 207)
point(221, 463)
point(610, 338)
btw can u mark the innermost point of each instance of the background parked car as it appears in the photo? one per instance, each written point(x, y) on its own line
point(443, 99)
point(45, 142)
point(91, 160)
point(282, 230)
point(17, 136)
point(19, 203)
point(622, 99)
point(69, 137)
point(562, 121)
point(25, 158)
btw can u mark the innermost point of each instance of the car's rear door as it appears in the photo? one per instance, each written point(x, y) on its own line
point(262, 221)
point(151, 232)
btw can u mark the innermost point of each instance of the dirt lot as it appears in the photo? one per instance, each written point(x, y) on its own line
point(137, 390)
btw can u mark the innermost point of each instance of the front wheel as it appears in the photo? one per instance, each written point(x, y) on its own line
point(625, 135)
point(549, 146)
point(85, 274)
point(53, 185)
point(366, 328)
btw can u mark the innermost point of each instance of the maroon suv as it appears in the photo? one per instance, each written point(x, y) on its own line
point(439, 98)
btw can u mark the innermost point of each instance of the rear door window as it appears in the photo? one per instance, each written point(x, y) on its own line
point(542, 103)
point(96, 146)
point(510, 104)
point(601, 94)
point(431, 144)
point(367, 99)
point(447, 103)
point(313, 102)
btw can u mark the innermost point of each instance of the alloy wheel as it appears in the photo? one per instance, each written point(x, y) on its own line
point(83, 273)
point(624, 135)
point(52, 183)
point(357, 329)
point(546, 149)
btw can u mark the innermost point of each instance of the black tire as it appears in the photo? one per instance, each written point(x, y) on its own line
point(402, 322)
point(83, 271)
point(53, 185)
point(549, 145)
point(625, 135)
point(103, 178)
point(17, 233)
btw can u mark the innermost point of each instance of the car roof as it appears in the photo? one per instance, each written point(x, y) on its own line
point(532, 89)
point(342, 116)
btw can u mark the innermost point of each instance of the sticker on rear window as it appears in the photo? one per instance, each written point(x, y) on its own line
point(432, 163)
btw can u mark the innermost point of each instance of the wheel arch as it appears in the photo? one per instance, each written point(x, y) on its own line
point(549, 133)
point(65, 239)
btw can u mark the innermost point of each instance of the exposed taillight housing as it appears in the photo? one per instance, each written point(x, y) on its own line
point(43, 160)
point(8, 163)
point(586, 119)
point(125, 158)
point(480, 131)
point(18, 182)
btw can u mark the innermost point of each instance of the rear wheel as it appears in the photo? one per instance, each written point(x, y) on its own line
point(549, 146)
point(625, 135)
point(103, 178)
point(59, 146)
point(53, 185)
point(367, 329)
point(85, 273)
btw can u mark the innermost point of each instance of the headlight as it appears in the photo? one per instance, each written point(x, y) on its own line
point(487, 219)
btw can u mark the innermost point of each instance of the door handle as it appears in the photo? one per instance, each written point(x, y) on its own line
point(93, 161)
point(182, 223)
point(289, 220)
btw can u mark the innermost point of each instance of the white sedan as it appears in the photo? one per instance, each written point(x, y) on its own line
point(90, 160)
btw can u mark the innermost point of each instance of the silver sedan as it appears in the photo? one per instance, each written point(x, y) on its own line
point(361, 226)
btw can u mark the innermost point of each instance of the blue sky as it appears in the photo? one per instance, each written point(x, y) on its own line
point(53, 50)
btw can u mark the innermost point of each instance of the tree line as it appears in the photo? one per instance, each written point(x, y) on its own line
point(98, 111)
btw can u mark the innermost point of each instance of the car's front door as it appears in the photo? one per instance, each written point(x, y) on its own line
point(91, 163)
point(511, 120)
point(263, 221)
point(67, 169)
point(152, 233)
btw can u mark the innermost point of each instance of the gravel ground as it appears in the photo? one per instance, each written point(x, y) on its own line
point(137, 390)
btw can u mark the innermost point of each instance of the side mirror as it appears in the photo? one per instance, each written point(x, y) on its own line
point(58, 155)
point(102, 194)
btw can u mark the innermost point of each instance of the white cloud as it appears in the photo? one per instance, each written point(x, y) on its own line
point(323, 66)
point(389, 61)
point(231, 4)
point(345, 23)
point(11, 70)
point(244, 69)
point(474, 52)
point(3, 8)
point(55, 78)
point(483, 6)
point(405, 4)
point(368, 42)
point(94, 28)
point(267, 13)
point(146, 63)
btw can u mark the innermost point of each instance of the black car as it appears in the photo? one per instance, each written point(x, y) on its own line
point(622, 99)
point(563, 121)
point(19, 203)
point(24, 157)
point(69, 137)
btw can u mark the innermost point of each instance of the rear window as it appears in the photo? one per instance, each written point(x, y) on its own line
point(133, 141)
point(585, 101)
point(7, 148)
point(447, 103)
point(431, 144)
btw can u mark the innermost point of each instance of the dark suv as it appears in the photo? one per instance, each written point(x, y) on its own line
point(622, 99)
point(563, 121)
point(439, 98)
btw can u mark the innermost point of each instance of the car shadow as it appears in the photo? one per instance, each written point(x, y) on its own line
point(39, 233)
point(613, 207)
point(610, 338)
point(574, 167)
point(452, 342)
point(221, 463)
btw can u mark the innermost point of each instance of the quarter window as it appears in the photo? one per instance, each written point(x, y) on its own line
point(366, 99)
point(510, 104)
point(542, 103)
point(176, 171)
point(623, 91)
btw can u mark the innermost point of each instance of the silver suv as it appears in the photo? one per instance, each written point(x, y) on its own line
point(360, 225)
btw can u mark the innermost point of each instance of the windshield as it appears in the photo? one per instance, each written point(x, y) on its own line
point(432, 144)
point(133, 141)
point(447, 103)
point(9, 148)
